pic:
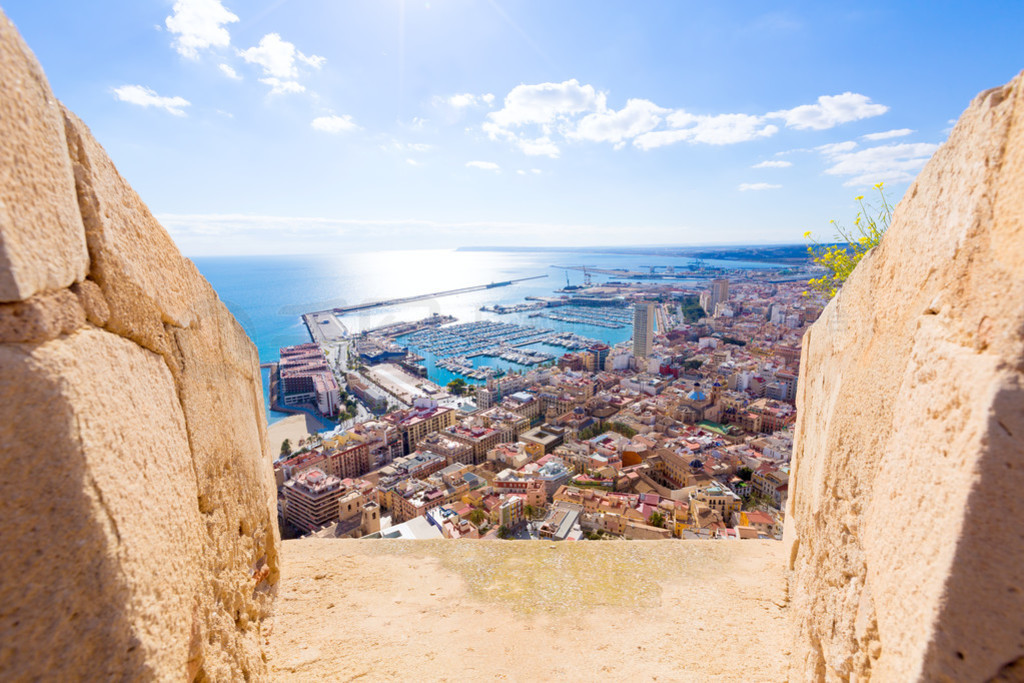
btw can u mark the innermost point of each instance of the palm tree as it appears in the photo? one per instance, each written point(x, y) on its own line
point(477, 516)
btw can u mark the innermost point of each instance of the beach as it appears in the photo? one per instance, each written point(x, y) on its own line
point(293, 428)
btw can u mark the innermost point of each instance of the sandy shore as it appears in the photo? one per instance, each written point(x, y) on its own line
point(293, 428)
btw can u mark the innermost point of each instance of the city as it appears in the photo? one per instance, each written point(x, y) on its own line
point(682, 432)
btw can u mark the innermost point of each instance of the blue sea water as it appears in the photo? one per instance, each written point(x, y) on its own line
point(268, 294)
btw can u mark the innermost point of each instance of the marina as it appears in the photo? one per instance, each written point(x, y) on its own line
point(612, 318)
point(455, 347)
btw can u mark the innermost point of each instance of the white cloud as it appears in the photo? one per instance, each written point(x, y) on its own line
point(836, 147)
point(894, 163)
point(897, 133)
point(198, 25)
point(464, 100)
point(745, 187)
point(722, 129)
point(545, 103)
point(660, 138)
point(413, 162)
point(405, 147)
point(830, 111)
point(334, 123)
point(145, 97)
point(279, 60)
point(483, 165)
point(521, 172)
point(637, 117)
point(535, 171)
point(773, 164)
point(314, 61)
point(536, 118)
point(279, 87)
point(229, 72)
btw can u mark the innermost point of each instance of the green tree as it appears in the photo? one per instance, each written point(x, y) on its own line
point(477, 516)
point(457, 387)
point(691, 309)
point(745, 473)
point(839, 260)
point(623, 429)
point(590, 432)
point(658, 520)
point(504, 532)
point(286, 447)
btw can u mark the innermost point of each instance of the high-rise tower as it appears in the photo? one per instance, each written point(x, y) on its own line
point(720, 290)
point(643, 329)
point(718, 293)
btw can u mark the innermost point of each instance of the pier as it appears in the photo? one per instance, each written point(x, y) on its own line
point(341, 310)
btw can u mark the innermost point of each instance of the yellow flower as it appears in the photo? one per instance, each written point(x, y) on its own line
point(807, 234)
point(858, 198)
point(879, 186)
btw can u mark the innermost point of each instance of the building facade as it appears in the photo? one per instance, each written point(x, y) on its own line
point(311, 499)
point(643, 329)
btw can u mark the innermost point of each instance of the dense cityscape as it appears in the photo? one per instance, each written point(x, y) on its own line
point(683, 431)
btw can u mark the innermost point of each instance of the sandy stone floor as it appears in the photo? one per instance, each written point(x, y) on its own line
point(530, 611)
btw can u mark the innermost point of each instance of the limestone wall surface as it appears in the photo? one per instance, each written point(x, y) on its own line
point(905, 508)
point(140, 534)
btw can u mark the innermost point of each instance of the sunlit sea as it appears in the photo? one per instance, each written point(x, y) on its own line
point(268, 294)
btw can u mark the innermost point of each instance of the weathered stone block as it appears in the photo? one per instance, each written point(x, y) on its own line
point(904, 507)
point(138, 493)
point(42, 244)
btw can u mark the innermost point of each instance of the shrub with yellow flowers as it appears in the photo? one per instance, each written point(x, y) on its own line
point(840, 259)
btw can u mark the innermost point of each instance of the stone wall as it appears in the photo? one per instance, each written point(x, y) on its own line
point(140, 536)
point(905, 507)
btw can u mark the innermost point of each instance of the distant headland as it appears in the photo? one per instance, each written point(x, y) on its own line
point(778, 253)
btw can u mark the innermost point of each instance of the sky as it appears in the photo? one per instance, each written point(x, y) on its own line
point(329, 126)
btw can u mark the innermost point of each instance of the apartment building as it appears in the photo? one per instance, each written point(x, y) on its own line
point(311, 499)
point(424, 417)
